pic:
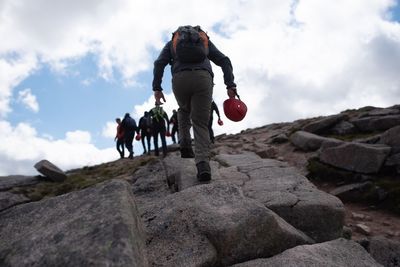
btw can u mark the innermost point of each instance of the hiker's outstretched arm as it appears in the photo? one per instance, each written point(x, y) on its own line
point(216, 109)
point(224, 62)
point(159, 65)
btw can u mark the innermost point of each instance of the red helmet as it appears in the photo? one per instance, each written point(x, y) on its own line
point(138, 137)
point(235, 109)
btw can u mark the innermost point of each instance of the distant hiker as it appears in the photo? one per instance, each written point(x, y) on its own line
point(189, 54)
point(129, 127)
point(119, 137)
point(145, 125)
point(159, 119)
point(214, 107)
point(174, 121)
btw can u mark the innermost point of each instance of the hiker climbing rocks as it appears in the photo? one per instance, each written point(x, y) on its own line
point(145, 125)
point(174, 121)
point(119, 138)
point(129, 126)
point(189, 54)
point(159, 119)
point(214, 107)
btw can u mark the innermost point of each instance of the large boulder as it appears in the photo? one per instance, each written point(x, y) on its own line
point(98, 226)
point(377, 123)
point(214, 225)
point(357, 157)
point(282, 189)
point(383, 112)
point(384, 251)
point(343, 128)
point(352, 192)
point(311, 142)
point(336, 253)
point(391, 137)
point(322, 125)
point(50, 170)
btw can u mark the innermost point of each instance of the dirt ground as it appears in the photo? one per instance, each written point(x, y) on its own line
point(377, 221)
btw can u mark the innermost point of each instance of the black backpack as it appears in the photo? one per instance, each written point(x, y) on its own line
point(190, 44)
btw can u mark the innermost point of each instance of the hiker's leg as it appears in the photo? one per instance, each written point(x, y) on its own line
point(210, 129)
point(173, 132)
point(148, 137)
point(119, 148)
point(182, 91)
point(128, 143)
point(155, 137)
point(200, 114)
point(142, 136)
point(163, 141)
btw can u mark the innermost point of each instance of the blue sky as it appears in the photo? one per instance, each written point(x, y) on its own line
point(78, 99)
point(68, 69)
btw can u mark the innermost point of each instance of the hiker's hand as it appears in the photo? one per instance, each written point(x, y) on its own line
point(232, 92)
point(158, 95)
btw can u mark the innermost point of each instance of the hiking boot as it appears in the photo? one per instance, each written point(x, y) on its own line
point(187, 153)
point(130, 155)
point(203, 171)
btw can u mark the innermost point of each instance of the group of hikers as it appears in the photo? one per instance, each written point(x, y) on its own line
point(189, 53)
point(155, 124)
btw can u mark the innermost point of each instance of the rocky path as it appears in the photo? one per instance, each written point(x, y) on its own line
point(253, 209)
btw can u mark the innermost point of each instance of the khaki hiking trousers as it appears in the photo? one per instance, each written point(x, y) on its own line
point(193, 91)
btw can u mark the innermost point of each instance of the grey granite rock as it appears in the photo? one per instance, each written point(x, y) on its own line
point(7, 182)
point(50, 170)
point(311, 142)
point(336, 253)
point(8, 199)
point(289, 194)
point(98, 226)
point(357, 157)
point(323, 124)
point(385, 251)
point(376, 123)
point(212, 225)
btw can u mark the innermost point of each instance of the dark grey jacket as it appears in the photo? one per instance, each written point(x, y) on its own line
point(166, 57)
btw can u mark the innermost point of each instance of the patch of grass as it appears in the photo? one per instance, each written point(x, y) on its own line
point(323, 172)
point(81, 178)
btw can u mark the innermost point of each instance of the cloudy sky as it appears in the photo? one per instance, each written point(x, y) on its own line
point(68, 68)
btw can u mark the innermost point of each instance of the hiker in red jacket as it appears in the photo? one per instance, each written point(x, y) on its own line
point(119, 138)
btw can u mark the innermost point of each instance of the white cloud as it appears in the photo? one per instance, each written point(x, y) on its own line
point(28, 99)
point(78, 137)
point(109, 129)
point(21, 148)
point(291, 59)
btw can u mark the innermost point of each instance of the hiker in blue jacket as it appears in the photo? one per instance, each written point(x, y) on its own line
point(192, 84)
point(129, 126)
